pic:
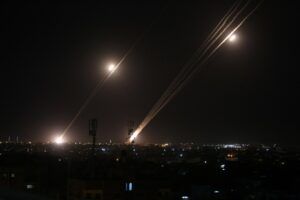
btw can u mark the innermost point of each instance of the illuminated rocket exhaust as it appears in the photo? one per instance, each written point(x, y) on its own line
point(140, 128)
point(134, 135)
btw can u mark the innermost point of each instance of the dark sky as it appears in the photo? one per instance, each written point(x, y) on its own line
point(53, 55)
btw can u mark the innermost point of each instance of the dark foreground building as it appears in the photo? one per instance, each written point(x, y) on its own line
point(162, 172)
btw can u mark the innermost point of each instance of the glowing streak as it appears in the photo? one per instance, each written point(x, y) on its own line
point(178, 83)
point(135, 134)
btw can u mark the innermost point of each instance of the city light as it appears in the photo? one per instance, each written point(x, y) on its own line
point(128, 186)
point(29, 186)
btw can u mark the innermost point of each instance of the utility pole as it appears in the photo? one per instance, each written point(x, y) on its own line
point(92, 132)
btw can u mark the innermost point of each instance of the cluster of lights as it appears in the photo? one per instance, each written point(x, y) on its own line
point(229, 155)
point(222, 166)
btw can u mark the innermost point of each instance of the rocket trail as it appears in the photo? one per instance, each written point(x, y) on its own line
point(196, 64)
point(109, 74)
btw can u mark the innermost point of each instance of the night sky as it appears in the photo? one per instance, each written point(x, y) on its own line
point(53, 55)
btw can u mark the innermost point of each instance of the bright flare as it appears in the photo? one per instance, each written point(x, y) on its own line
point(59, 140)
point(133, 136)
point(111, 67)
point(232, 38)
